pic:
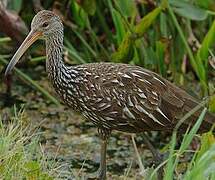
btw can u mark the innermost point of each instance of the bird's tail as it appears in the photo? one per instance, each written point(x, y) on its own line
point(209, 118)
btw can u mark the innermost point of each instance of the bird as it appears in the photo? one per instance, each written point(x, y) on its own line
point(113, 96)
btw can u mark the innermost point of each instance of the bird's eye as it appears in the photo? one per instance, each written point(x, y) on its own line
point(45, 24)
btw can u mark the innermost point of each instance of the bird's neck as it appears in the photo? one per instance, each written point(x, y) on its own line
point(65, 79)
point(54, 52)
point(59, 74)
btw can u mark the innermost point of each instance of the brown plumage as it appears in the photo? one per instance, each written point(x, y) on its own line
point(125, 97)
point(113, 96)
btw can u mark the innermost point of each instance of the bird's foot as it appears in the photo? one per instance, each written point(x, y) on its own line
point(158, 159)
point(100, 175)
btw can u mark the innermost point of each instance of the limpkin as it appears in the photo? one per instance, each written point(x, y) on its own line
point(113, 96)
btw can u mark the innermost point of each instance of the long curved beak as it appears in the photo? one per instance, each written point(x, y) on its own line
point(29, 40)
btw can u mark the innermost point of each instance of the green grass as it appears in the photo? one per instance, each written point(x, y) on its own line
point(21, 155)
point(201, 166)
point(158, 37)
point(206, 168)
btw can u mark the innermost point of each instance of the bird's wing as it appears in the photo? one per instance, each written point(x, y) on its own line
point(133, 96)
point(132, 99)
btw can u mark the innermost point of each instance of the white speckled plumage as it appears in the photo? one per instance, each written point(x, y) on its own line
point(113, 96)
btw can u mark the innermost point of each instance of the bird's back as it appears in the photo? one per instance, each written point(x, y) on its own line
point(127, 98)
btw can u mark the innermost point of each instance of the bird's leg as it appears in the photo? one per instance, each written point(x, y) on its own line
point(156, 155)
point(104, 135)
point(102, 168)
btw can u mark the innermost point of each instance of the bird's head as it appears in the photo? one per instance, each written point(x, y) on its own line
point(45, 24)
